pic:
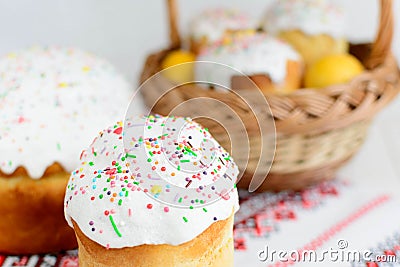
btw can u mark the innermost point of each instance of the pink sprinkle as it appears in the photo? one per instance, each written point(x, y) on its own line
point(166, 209)
point(129, 212)
point(21, 119)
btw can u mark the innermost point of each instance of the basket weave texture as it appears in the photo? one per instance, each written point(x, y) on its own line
point(317, 131)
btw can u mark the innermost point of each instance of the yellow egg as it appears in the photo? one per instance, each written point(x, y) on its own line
point(333, 69)
point(179, 73)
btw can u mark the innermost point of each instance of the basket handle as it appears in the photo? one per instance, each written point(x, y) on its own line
point(174, 35)
point(383, 41)
point(379, 51)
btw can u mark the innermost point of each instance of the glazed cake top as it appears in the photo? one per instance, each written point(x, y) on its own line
point(250, 54)
point(310, 16)
point(151, 180)
point(52, 101)
point(213, 23)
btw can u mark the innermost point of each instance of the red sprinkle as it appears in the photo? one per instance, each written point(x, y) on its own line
point(106, 212)
point(163, 169)
point(149, 206)
point(118, 130)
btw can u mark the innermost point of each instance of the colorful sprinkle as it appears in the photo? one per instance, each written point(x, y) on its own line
point(114, 226)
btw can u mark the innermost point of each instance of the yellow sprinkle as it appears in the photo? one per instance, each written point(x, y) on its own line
point(63, 85)
point(11, 55)
point(86, 69)
point(156, 189)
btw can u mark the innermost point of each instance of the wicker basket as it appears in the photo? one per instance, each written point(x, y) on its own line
point(317, 130)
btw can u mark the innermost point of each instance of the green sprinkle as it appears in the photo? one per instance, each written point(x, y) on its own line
point(95, 154)
point(201, 201)
point(179, 167)
point(180, 200)
point(149, 127)
point(105, 189)
point(120, 202)
point(91, 163)
point(136, 183)
point(123, 158)
point(115, 226)
point(206, 129)
point(58, 146)
point(101, 196)
point(234, 185)
point(99, 176)
point(215, 170)
point(126, 193)
point(151, 153)
point(191, 207)
point(205, 210)
point(130, 156)
point(190, 151)
point(185, 160)
point(115, 147)
point(10, 163)
point(149, 160)
point(184, 218)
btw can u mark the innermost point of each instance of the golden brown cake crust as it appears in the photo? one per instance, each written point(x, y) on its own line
point(213, 247)
point(32, 213)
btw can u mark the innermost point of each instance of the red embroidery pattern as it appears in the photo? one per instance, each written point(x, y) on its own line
point(260, 214)
point(321, 239)
point(63, 259)
point(389, 248)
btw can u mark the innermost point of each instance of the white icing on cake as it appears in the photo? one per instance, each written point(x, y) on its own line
point(212, 23)
point(106, 199)
point(52, 102)
point(310, 16)
point(248, 54)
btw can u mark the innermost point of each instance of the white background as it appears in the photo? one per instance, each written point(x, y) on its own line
point(124, 31)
